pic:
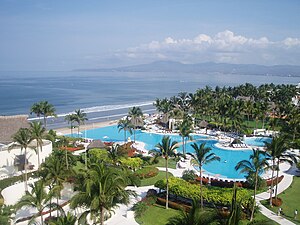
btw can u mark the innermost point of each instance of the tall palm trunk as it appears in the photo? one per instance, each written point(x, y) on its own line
point(25, 167)
point(38, 154)
point(167, 177)
point(272, 183)
point(134, 134)
point(67, 161)
point(125, 136)
point(57, 206)
point(183, 147)
point(41, 215)
point(71, 129)
point(254, 197)
point(102, 216)
point(50, 200)
point(248, 116)
point(277, 176)
point(201, 194)
point(45, 122)
point(78, 130)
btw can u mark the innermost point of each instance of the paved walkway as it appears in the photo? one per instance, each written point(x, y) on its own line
point(282, 186)
point(124, 214)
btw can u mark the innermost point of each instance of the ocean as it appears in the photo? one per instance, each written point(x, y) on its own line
point(107, 95)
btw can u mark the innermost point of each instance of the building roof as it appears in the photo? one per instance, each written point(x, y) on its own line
point(96, 144)
point(9, 125)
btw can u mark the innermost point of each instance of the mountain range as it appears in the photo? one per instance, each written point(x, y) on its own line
point(209, 67)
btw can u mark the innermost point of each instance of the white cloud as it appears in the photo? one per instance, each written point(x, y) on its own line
point(223, 47)
point(291, 42)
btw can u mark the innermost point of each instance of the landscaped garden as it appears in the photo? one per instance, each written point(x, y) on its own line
point(291, 200)
point(102, 177)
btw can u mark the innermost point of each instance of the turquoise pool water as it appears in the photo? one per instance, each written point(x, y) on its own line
point(257, 141)
point(224, 168)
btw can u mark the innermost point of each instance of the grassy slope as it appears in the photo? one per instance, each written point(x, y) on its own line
point(157, 215)
point(291, 201)
point(152, 180)
point(162, 163)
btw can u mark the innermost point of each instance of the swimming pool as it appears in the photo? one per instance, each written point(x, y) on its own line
point(224, 168)
point(257, 141)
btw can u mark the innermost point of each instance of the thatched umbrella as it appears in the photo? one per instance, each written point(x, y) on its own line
point(203, 123)
point(138, 122)
point(96, 144)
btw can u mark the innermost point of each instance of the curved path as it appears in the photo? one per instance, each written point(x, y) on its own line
point(124, 215)
point(288, 173)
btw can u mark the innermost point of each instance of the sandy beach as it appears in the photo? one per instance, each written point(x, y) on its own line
point(67, 130)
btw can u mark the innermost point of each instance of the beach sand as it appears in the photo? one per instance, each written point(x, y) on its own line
point(67, 130)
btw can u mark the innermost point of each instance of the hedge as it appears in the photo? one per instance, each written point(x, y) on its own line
point(220, 196)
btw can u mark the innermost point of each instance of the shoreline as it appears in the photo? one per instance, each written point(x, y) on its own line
point(89, 126)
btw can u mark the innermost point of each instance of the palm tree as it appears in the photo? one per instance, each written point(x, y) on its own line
point(165, 106)
point(54, 173)
point(202, 157)
point(276, 146)
point(135, 114)
point(63, 142)
point(47, 109)
point(114, 153)
point(125, 125)
point(70, 118)
point(38, 132)
point(256, 165)
point(79, 118)
point(36, 108)
point(37, 198)
point(185, 131)
point(283, 156)
point(196, 216)
point(102, 189)
point(23, 138)
point(167, 149)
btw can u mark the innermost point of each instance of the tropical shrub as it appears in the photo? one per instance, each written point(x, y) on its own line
point(11, 180)
point(189, 175)
point(151, 192)
point(140, 208)
point(220, 196)
point(132, 163)
point(261, 183)
point(146, 159)
point(277, 202)
point(99, 154)
point(146, 172)
point(5, 212)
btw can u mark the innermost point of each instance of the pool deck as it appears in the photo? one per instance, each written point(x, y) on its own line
point(124, 214)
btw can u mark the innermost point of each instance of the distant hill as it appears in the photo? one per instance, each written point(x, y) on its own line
point(210, 67)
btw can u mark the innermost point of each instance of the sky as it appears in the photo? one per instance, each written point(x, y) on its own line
point(73, 34)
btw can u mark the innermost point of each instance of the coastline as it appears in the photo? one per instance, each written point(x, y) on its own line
point(89, 126)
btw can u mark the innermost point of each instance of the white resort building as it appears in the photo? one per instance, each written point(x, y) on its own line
point(12, 159)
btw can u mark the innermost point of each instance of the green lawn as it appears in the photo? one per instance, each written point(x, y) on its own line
point(152, 180)
point(260, 218)
point(157, 215)
point(291, 201)
point(162, 163)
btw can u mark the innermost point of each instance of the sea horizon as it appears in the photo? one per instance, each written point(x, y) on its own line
point(107, 95)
